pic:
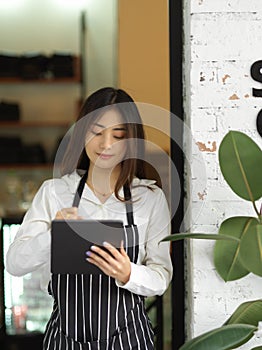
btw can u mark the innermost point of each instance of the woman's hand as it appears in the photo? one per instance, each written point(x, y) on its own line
point(67, 214)
point(116, 265)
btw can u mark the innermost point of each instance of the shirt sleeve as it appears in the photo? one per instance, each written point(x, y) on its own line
point(30, 249)
point(153, 276)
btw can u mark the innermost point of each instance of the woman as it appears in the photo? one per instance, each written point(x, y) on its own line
point(102, 178)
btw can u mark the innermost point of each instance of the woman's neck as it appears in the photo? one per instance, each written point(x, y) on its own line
point(103, 180)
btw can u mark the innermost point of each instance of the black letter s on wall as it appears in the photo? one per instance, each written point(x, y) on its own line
point(256, 74)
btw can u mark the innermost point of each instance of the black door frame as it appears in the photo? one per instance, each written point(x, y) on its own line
point(177, 117)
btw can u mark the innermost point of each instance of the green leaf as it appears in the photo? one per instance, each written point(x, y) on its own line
point(257, 348)
point(223, 338)
point(226, 253)
point(249, 312)
point(240, 161)
point(214, 236)
point(251, 249)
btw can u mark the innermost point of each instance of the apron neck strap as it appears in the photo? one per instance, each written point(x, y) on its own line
point(79, 190)
point(129, 205)
point(127, 195)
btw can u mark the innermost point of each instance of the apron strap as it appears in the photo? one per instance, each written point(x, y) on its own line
point(79, 190)
point(129, 205)
point(127, 195)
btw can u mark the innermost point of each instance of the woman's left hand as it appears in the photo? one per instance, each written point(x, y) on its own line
point(116, 265)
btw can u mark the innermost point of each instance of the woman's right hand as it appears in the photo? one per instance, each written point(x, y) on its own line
point(68, 214)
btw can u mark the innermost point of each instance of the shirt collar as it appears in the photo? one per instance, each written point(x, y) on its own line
point(74, 178)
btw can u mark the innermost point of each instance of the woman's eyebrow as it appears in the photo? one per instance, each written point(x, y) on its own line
point(120, 128)
point(99, 125)
point(104, 127)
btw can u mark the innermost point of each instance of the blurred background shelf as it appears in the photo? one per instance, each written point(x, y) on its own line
point(33, 124)
point(18, 166)
point(76, 78)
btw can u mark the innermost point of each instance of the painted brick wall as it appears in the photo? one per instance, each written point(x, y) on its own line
point(222, 39)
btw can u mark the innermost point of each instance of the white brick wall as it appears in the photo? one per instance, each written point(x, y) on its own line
point(222, 40)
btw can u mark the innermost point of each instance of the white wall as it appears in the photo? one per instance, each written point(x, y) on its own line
point(102, 43)
point(222, 40)
point(54, 25)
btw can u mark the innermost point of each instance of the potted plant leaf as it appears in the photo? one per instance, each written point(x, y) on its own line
point(238, 246)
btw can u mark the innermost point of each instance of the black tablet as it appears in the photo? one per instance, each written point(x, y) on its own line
point(71, 239)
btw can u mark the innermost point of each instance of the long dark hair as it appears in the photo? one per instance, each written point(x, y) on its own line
point(93, 108)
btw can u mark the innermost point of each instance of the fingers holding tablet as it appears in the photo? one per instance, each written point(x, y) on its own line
point(111, 261)
point(67, 214)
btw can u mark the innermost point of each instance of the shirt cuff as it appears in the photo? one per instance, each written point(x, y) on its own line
point(128, 284)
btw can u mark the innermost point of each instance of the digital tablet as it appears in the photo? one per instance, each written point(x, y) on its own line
point(71, 239)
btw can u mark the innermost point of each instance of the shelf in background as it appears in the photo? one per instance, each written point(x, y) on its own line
point(76, 78)
point(21, 166)
point(14, 80)
point(33, 124)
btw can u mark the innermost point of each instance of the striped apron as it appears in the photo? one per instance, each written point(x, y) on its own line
point(91, 313)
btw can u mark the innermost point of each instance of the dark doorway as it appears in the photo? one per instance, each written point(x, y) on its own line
point(176, 107)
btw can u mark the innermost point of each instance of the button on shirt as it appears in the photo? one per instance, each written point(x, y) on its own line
point(151, 274)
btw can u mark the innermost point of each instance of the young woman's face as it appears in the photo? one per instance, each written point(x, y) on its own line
point(106, 141)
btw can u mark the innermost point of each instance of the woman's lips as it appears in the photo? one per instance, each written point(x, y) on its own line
point(105, 156)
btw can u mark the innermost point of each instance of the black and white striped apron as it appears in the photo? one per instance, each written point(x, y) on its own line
point(91, 313)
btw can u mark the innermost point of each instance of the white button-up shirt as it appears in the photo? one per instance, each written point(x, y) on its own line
point(151, 274)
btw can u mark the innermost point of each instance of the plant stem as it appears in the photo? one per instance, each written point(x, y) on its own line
point(257, 212)
point(260, 215)
point(245, 179)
